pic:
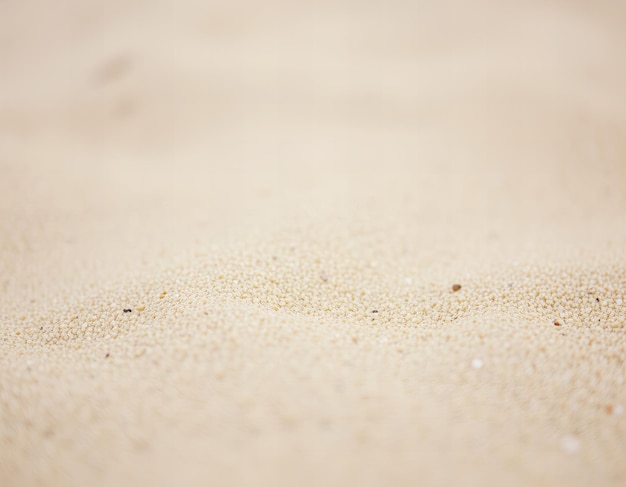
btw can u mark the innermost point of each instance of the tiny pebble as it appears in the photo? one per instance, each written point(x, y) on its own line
point(477, 363)
point(570, 444)
point(456, 287)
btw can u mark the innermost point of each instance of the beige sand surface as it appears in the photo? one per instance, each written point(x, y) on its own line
point(284, 194)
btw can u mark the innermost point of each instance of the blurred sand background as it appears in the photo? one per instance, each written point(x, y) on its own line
point(284, 194)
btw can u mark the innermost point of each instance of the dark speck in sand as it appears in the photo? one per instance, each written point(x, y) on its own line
point(127, 310)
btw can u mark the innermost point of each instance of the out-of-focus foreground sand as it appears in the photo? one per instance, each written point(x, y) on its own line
point(284, 193)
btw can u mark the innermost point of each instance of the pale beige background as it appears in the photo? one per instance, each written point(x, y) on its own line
point(282, 170)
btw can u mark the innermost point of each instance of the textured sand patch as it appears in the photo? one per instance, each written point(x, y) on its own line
point(229, 236)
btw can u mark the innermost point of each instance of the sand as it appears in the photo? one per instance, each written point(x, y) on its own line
point(230, 231)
